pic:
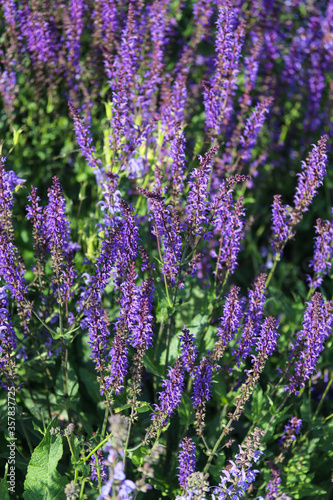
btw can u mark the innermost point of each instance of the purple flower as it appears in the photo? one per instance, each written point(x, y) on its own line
point(201, 391)
point(167, 232)
point(117, 484)
point(188, 350)
point(266, 341)
point(280, 219)
point(118, 365)
point(57, 235)
point(202, 382)
point(218, 92)
point(12, 271)
point(141, 325)
point(240, 475)
point(233, 232)
point(72, 36)
point(169, 399)
point(309, 180)
point(197, 204)
point(323, 252)
point(187, 460)
point(253, 317)
point(84, 141)
point(230, 321)
point(310, 341)
point(103, 470)
point(272, 487)
point(290, 431)
point(8, 181)
point(8, 343)
point(252, 128)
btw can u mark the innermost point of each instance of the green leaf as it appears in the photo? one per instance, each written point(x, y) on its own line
point(4, 495)
point(43, 481)
point(185, 410)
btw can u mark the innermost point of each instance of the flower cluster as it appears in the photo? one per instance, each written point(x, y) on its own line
point(305, 351)
point(323, 252)
point(290, 431)
point(240, 474)
point(187, 460)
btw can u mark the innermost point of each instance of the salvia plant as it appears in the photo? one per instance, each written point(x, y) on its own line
point(166, 249)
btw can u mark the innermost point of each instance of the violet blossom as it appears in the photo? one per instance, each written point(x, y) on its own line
point(309, 344)
point(186, 460)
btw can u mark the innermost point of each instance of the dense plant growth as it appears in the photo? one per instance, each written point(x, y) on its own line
point(166, 241)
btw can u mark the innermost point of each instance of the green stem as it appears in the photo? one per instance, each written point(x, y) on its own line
point(105, 440)
point(82, 488)
point(105, 421)
point(322, 399)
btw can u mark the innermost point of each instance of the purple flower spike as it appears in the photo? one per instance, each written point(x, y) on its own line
point(309, 180)
point(317, 326)
point(232, 236)
point(266, 341)
point(57, 229)
point(84, 141)
point(240, 475)
point(280, 222)
point(201, 391)
point(252, 128)
point(103, 470)
point(8, 181)
point(290, 431)
point(323, 252)
point(8, 343)
point(188, 350)
point(218, 92)
point(253, 317)
point(187, 460)
point(232, 315)
point(169, 399)
point(197, 204)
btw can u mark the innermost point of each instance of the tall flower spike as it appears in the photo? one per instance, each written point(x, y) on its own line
point(169, 398)
point(240, 475)
point(306, 350)
point(230, 321)
point(266, 343)
point(201, 391)
point(84, 141)
point(188, 350)
point(167, 232)
point(291, 430)
point(309, 180)
point(12, 271)
point(232, 236)
point(8, 181)
point(323, 252)
point(57, 230)
point(218, 92)
point(8, 343)
point(197, 204)
point(186, 459)
point(252, 128)
point(253, 317)
point(36, 217)
point(280, 219)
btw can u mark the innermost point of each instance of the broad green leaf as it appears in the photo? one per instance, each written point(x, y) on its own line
point(43, 481)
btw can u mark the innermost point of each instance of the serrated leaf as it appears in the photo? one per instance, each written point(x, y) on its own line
point(43, 481)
